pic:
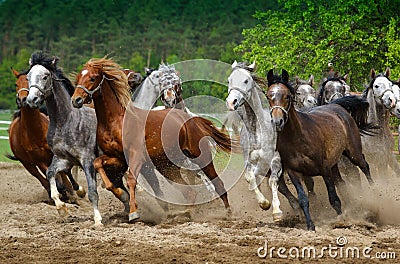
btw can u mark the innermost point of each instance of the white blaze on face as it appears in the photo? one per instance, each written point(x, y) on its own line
point(84, 72)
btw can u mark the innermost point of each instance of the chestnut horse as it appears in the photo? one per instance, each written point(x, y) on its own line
point(28, 142)
point(311, 143)
point(145, 130)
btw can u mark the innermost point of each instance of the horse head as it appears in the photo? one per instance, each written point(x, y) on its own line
point(22, 87)
point(40, 85)
point(396, 90)
point(240, 85)
point(382, 88)
point(170, 85)
point(134, 78)
point(280, 95)
point(305, 93)
point(333, 87)
point(95, 74)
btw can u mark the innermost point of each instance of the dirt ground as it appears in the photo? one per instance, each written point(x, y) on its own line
point(33, 232)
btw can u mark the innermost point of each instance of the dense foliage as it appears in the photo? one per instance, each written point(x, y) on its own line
point(136, 33)
point(302, 36)
point(305, 35)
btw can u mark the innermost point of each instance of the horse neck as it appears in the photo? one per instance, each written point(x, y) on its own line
point(109, 112)
point(256, 118)
point(59, 104)
point(145, 95)
point(32, 119)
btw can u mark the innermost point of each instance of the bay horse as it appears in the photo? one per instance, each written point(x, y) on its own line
point(28, 142)
point(311, 143)
point(143, 135)
point(258, 136)
point(381, 95)
point(71, 134)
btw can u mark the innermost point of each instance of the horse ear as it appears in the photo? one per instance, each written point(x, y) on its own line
point(16, 73)
point(55, 60)
point(372, 73)
point(270, 75)
point(311, 80)
point(387, 72)
point(285, 76)
point(346, 77)
point(234, 64)
point(297, 80)
point(253, 65)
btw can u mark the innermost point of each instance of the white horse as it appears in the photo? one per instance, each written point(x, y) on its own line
point(258, 139)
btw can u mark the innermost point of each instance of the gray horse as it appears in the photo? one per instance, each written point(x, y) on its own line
point(72, 132)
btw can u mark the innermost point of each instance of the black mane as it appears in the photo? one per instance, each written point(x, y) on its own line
point(278, 79)
point(50, 63)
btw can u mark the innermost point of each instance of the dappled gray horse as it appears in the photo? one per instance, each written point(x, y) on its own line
point(72, 132)
point(258, 139)
point(305, 97)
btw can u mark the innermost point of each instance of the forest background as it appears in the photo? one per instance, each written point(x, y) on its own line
point(299, 36)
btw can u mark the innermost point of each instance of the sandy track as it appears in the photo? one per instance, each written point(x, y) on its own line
point(32, 231)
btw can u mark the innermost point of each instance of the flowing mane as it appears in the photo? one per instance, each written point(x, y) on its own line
point(113, 71)
point(50, 63)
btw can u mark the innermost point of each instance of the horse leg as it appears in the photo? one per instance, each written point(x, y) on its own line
point(276, 171)
point(329, 178)
point(309, 183)
point(283, 189)
point(88, 168)
point(120, 193)
point(251, 179)
point(209, 171)
point(148, 172)
point(80, 191)
point(303, 199)
point(55, 167)
point(358, 159)
point(35, 172)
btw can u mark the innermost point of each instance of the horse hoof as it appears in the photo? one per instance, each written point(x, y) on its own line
point(277, 217)
point(133, 217)
point(63, 211)
point(81, 192)
point(265, 205)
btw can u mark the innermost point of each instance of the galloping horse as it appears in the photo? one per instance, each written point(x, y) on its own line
point(258, 139)
point(149, 136)
point(382, 100)
point(311, 143)
point(71, 135)
point(29, 144)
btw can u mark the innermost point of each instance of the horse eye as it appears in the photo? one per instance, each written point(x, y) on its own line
point(45, 77)
point(246, 81)
point(92, 79)
point(376, 86)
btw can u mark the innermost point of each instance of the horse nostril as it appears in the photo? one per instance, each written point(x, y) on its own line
point(78, 101)
point(234, 101)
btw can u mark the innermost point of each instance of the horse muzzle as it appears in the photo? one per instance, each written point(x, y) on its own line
point(77, 102)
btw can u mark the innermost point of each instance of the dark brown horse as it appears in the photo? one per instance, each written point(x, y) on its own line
point(28, 141)
point(144, 135)
point(311, 143)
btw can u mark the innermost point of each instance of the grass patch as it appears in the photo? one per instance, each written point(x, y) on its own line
point(4, 143)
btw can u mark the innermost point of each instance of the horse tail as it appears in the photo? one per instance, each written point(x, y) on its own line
point(357, 107)
point(223, 140)
point(11, 157)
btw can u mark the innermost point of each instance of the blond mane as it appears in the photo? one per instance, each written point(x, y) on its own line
point(114, 71)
